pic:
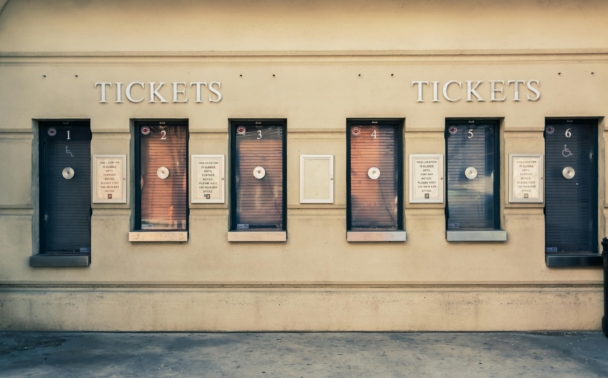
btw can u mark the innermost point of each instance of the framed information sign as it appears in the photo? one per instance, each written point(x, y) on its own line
point(526, 178)
point(426, 178)
point(109, 178)
point(207, 179)
point(316, 178)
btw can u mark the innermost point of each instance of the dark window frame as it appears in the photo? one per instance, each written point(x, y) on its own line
point(137, 168)
point(42, 185)
point(233, 123)
point(497, 171)
point(400, 129)
point(594, 123)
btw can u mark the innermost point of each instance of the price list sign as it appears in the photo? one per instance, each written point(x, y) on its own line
point(110, 175)
point(526, 183)
point(207, 179)
point(426, 178)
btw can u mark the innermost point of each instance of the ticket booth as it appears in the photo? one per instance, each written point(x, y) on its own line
point(375, 181)
point(65, 194)
point(258, 171)
point(161, 169)
point(571, 194)
point(472, 166)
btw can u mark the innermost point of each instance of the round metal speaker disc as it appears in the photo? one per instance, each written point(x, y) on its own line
point(259, 173)
point(568, 173)
point(67, 173)
point(163, 172)
point(470, 173)
point(373, 173)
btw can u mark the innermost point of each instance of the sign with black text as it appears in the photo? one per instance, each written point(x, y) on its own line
point(426, 178)
point(207, 179)
point(526, 181)
point(109, 179)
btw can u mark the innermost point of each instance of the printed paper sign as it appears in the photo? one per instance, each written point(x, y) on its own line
point(426, 179)
point(526, 181)
point(110, 179)
point(207, 181)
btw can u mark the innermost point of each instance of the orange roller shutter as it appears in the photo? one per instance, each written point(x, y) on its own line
point(164, 201)
point(259, 201)
point(374, 202)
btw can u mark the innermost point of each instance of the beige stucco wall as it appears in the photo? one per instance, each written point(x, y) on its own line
point(331, 61)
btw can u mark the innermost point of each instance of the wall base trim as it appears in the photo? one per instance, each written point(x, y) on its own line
point(357, 309)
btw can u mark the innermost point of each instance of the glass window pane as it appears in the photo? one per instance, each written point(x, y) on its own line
point(259, 195)
point(571, 204)
point(471, 203)
point(163, 154)
point(374, 202)
point(66, 211)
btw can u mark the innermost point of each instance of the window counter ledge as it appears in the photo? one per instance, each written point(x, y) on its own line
point(158, 236)
point(257, 236)
point(60, 261)
point(565, 260)
point(477, 236)
point(375, 236)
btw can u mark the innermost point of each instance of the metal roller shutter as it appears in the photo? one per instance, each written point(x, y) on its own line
point(66, 203)
point(163, 201)
point(374, 203)
point(259, 201)
point(471, 202)
point(571, 204)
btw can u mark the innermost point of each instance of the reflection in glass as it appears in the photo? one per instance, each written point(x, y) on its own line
point(471, 202)
point(259, 201)
point(374, 202)
point(163, 201)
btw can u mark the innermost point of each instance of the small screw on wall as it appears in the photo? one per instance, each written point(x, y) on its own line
point(272, 75)
point(43, 75)
point(559, 73)
point(359, 74)
point(75, 75)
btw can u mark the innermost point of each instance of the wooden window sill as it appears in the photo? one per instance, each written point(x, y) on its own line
point(477, 236)
point(565, 260)
point(158, 236)
point(60, 261)
point(376, 236)
point(257, 236)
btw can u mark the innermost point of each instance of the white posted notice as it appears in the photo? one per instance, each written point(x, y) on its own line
point(426, 179)
point(207, 179)
point(110, 179)
point(526, 178)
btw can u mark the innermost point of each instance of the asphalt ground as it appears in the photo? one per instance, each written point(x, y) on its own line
point(373, 355)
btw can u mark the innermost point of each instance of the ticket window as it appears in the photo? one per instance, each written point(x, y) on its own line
point(258, 190)
point(473, 203)
point(65, 193)
point(375, 194)
point(571, 193)
point(162, 170)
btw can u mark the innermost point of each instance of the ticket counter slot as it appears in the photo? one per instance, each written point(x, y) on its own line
point(473, 204)
point(257, 182)
point(65, 195)
point(375, 181)
point(571, 194)
point(161, 169)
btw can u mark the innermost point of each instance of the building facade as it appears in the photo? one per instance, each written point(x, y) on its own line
point(295, 165)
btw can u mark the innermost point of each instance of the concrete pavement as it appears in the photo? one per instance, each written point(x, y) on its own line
point(64, 354)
